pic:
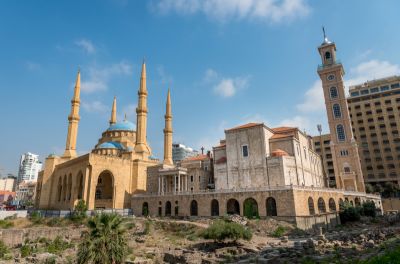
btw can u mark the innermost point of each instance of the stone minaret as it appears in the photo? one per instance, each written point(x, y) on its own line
point(113, 118)
point(346, 160)
point(141, 146)
point(168, 132)
point(73, 118)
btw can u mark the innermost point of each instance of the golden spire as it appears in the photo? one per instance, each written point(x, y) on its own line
point(168, 132)
point(141, 146)
point(73, 119)
point(113, 118)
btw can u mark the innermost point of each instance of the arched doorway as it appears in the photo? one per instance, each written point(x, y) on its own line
point(145, 209)
point(357, 201)
point(232, 207)
point(193, 208)
point(69, 187)
point(311, 206)
point(250, 208)
point(341, 204)
point(214, 207)
point(104, 191)
point(168, 208)
point(59, 189)
point(332, 205)
point(271, 207)
point(321, 205)
point(64, 188)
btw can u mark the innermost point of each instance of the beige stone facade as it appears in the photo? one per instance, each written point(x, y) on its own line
point(108, 176)
point(322, 145)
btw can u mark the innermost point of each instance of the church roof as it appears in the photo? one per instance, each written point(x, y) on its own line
point(110, 145)
point(248, 125)
point(125, 125)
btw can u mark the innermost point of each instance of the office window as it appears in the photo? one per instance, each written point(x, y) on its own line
point(384, 88)
point(354, 94)
point(374, 90)
point(395, 85)
point(364, 92)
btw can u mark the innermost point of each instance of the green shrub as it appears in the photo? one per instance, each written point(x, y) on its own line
point(279, 231)
point(369, 209)
point(4, 250)
point(50, 260)
point(36, 218)
point(57, 246)
point(6, 224)
point(79, 212)
point(349, 213)
point(54, 221)
point(220, 230)
point(391, 256)
point(27, 250)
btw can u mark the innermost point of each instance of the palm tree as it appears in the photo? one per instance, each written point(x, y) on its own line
point(105, 242)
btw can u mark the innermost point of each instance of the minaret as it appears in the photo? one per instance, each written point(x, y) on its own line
point(168, 132)
point(73, 118)
point(346, 160)
point(141, 146)
point(113, 118)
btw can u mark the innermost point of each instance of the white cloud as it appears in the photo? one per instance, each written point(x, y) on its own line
point(225, 10)
point(301, 122)
point(94, 107)
point(313, 99)
point(98, 78)
point(86, 45)
point(225, 86)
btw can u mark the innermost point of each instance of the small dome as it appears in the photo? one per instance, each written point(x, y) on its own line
point(279, 153)
point(125, 125)
point(110, 145)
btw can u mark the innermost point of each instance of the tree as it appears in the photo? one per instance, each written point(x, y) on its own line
point(105, 242)
point(390, 189)
point(80, 210)
point(369, 208)
point(369, 188)
point(349, 213)
point(378, 188)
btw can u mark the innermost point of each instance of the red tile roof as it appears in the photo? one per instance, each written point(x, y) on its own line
point(248, 125)
point(279, 153)
point(221, 160)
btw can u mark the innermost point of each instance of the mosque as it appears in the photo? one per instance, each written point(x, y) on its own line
point(114, 170)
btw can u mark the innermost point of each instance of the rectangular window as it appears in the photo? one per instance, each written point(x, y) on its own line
point(374, 90)
point(245, 151)
point(395, 85)
point(364, 92)
point(384, 88)
point(355, 94)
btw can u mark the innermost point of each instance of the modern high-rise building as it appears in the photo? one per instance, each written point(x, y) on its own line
point(345, 157)
point(322, 147)
point(181, 152)
point(29, 167)
point(374, 108)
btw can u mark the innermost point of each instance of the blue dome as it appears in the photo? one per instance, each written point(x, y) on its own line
point(125, 125)
point(110, 145)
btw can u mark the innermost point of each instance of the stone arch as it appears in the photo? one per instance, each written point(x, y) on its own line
point(80, 185)
point(321, 205)
point(194, 208)
point(311, 207)
point(176, 208)
point(214, 207)
point(332, 205)
point(69, 187)
point(59, 189)
point(250, 208)
point(145, 209)
point(168, 208)
point(357, 201)
point(104, 194)
point(64, 188)
point(232, 207)
point(328, 55)
point(351, 202)
point(271, 206)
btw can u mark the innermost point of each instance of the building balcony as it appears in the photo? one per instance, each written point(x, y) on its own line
point(323, 66)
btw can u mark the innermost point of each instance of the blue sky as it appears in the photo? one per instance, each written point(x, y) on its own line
point(227, 62)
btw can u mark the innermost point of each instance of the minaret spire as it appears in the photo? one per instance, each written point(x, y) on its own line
point(73, 118)
point(113, 118)
point(141, 146)
point(168, 132)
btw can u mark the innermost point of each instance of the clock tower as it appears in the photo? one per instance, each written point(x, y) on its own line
point(346, 160)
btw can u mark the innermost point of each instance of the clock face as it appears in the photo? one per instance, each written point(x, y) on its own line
point(330, 77)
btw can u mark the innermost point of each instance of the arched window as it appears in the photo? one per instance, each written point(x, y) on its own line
point(311, 206)
point(145, 209)
point(176, 208)
point(341, 204)
point(357, 201)
point(168, 208)
point(214, 208)
point(333, 92)
point(340, 133)
point(328, 55)
point(271, 207)
point(321, 205)
point(332, 205)
point(193, 208)
point(337, 113)
point(232, 207)
point(250, 208)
